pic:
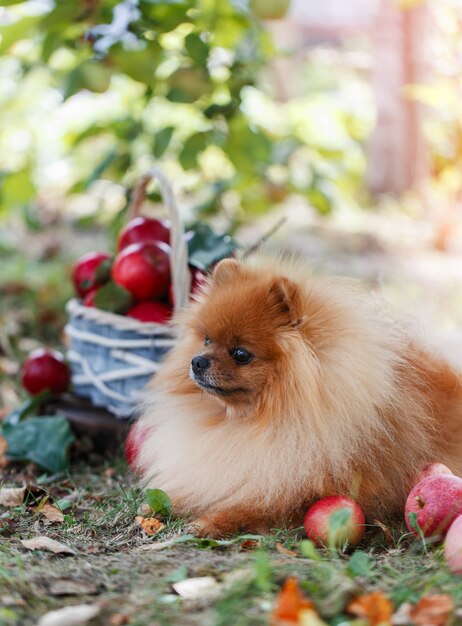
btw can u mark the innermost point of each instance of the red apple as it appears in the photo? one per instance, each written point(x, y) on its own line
point(431, 470)
point(436, 502)
point(324, 524)
point(45, 369)
point(89, 299)
point(133, 442)
point(453, 546)
point(88, 272)
point(151, 312)
point(144, 230)
point(198, 279)
point(143, 269)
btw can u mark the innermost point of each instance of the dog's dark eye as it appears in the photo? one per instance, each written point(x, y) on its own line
point(241, 356)
point(207, 340)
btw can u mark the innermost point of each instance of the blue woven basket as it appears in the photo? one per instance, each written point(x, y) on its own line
point(113, 357)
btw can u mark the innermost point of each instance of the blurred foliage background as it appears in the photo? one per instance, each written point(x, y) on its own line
point(94, 92)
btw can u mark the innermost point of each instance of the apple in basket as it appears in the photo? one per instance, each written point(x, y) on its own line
point(45, 369)
point(143, 269)
point(198, 280)
point(157, 312)
point(91, 270)
point(144, 230)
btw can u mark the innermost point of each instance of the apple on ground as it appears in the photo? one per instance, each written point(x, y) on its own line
point(430, 470)
point(143, 269)
point(335, 521)
point(45, 369)
point(144, 230)
point(90, 271)
point(135, 437)
point(453, 546)
point(436, 501)
point(157, 312)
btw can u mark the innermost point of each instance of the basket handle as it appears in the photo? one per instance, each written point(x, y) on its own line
point(181, 277)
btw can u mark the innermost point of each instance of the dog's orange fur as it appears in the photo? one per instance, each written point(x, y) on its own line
point(340, 398)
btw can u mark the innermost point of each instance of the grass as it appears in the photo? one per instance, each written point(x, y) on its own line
point(132, 582)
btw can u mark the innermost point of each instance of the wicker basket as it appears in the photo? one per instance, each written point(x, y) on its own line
point(113, 357)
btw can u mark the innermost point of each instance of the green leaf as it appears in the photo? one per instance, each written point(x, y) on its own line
point(159, 501)
point(26, 408)
point(162, 140)
point(193, 146)
point(339, 523)
point(41, 440)
point(361, 564)
point(197, 49)
point(308, 550)
point(263, 571)
point(114, 298)
point(138, 64)
point(206, 247)
point(17, 188)
point(90, 75)
point(319, 200)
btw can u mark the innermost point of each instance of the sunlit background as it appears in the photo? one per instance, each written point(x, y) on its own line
point(342, 117)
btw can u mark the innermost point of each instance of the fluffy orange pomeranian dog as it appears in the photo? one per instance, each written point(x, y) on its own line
point(285, 388)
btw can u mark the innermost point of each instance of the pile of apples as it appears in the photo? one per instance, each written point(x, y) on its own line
point(137, 281)
point(433, 511)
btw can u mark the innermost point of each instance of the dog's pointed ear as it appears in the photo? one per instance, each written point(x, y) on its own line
point(286, 301)
point(226, 271)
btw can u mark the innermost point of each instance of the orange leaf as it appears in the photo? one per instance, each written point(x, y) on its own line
point(280, 548)
point(374, 606)
point(433, 610)
point(150, 525)
point(290, 602)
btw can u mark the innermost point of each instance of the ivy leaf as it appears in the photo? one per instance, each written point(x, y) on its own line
point(114, 298)
point(25, 408)
point(206, 247)
point(41, 440)
point(159, 501)
point(162, 140)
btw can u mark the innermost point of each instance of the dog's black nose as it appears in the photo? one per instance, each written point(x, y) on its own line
point(200, 364)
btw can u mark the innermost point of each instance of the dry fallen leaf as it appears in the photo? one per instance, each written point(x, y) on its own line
point(52, 513)
point(433, 610)
point(386, 531)
point(45, 543)
point(402, 617)
point(192, 588)
point(308, 617)
point(3, 448)
point(12, 496)
point(249, 544)
point(70, 587)
point(119, 619)
point(70, 615)
point(374, 606)
point(150, 525)
point(290, 603)
point(280, 548)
